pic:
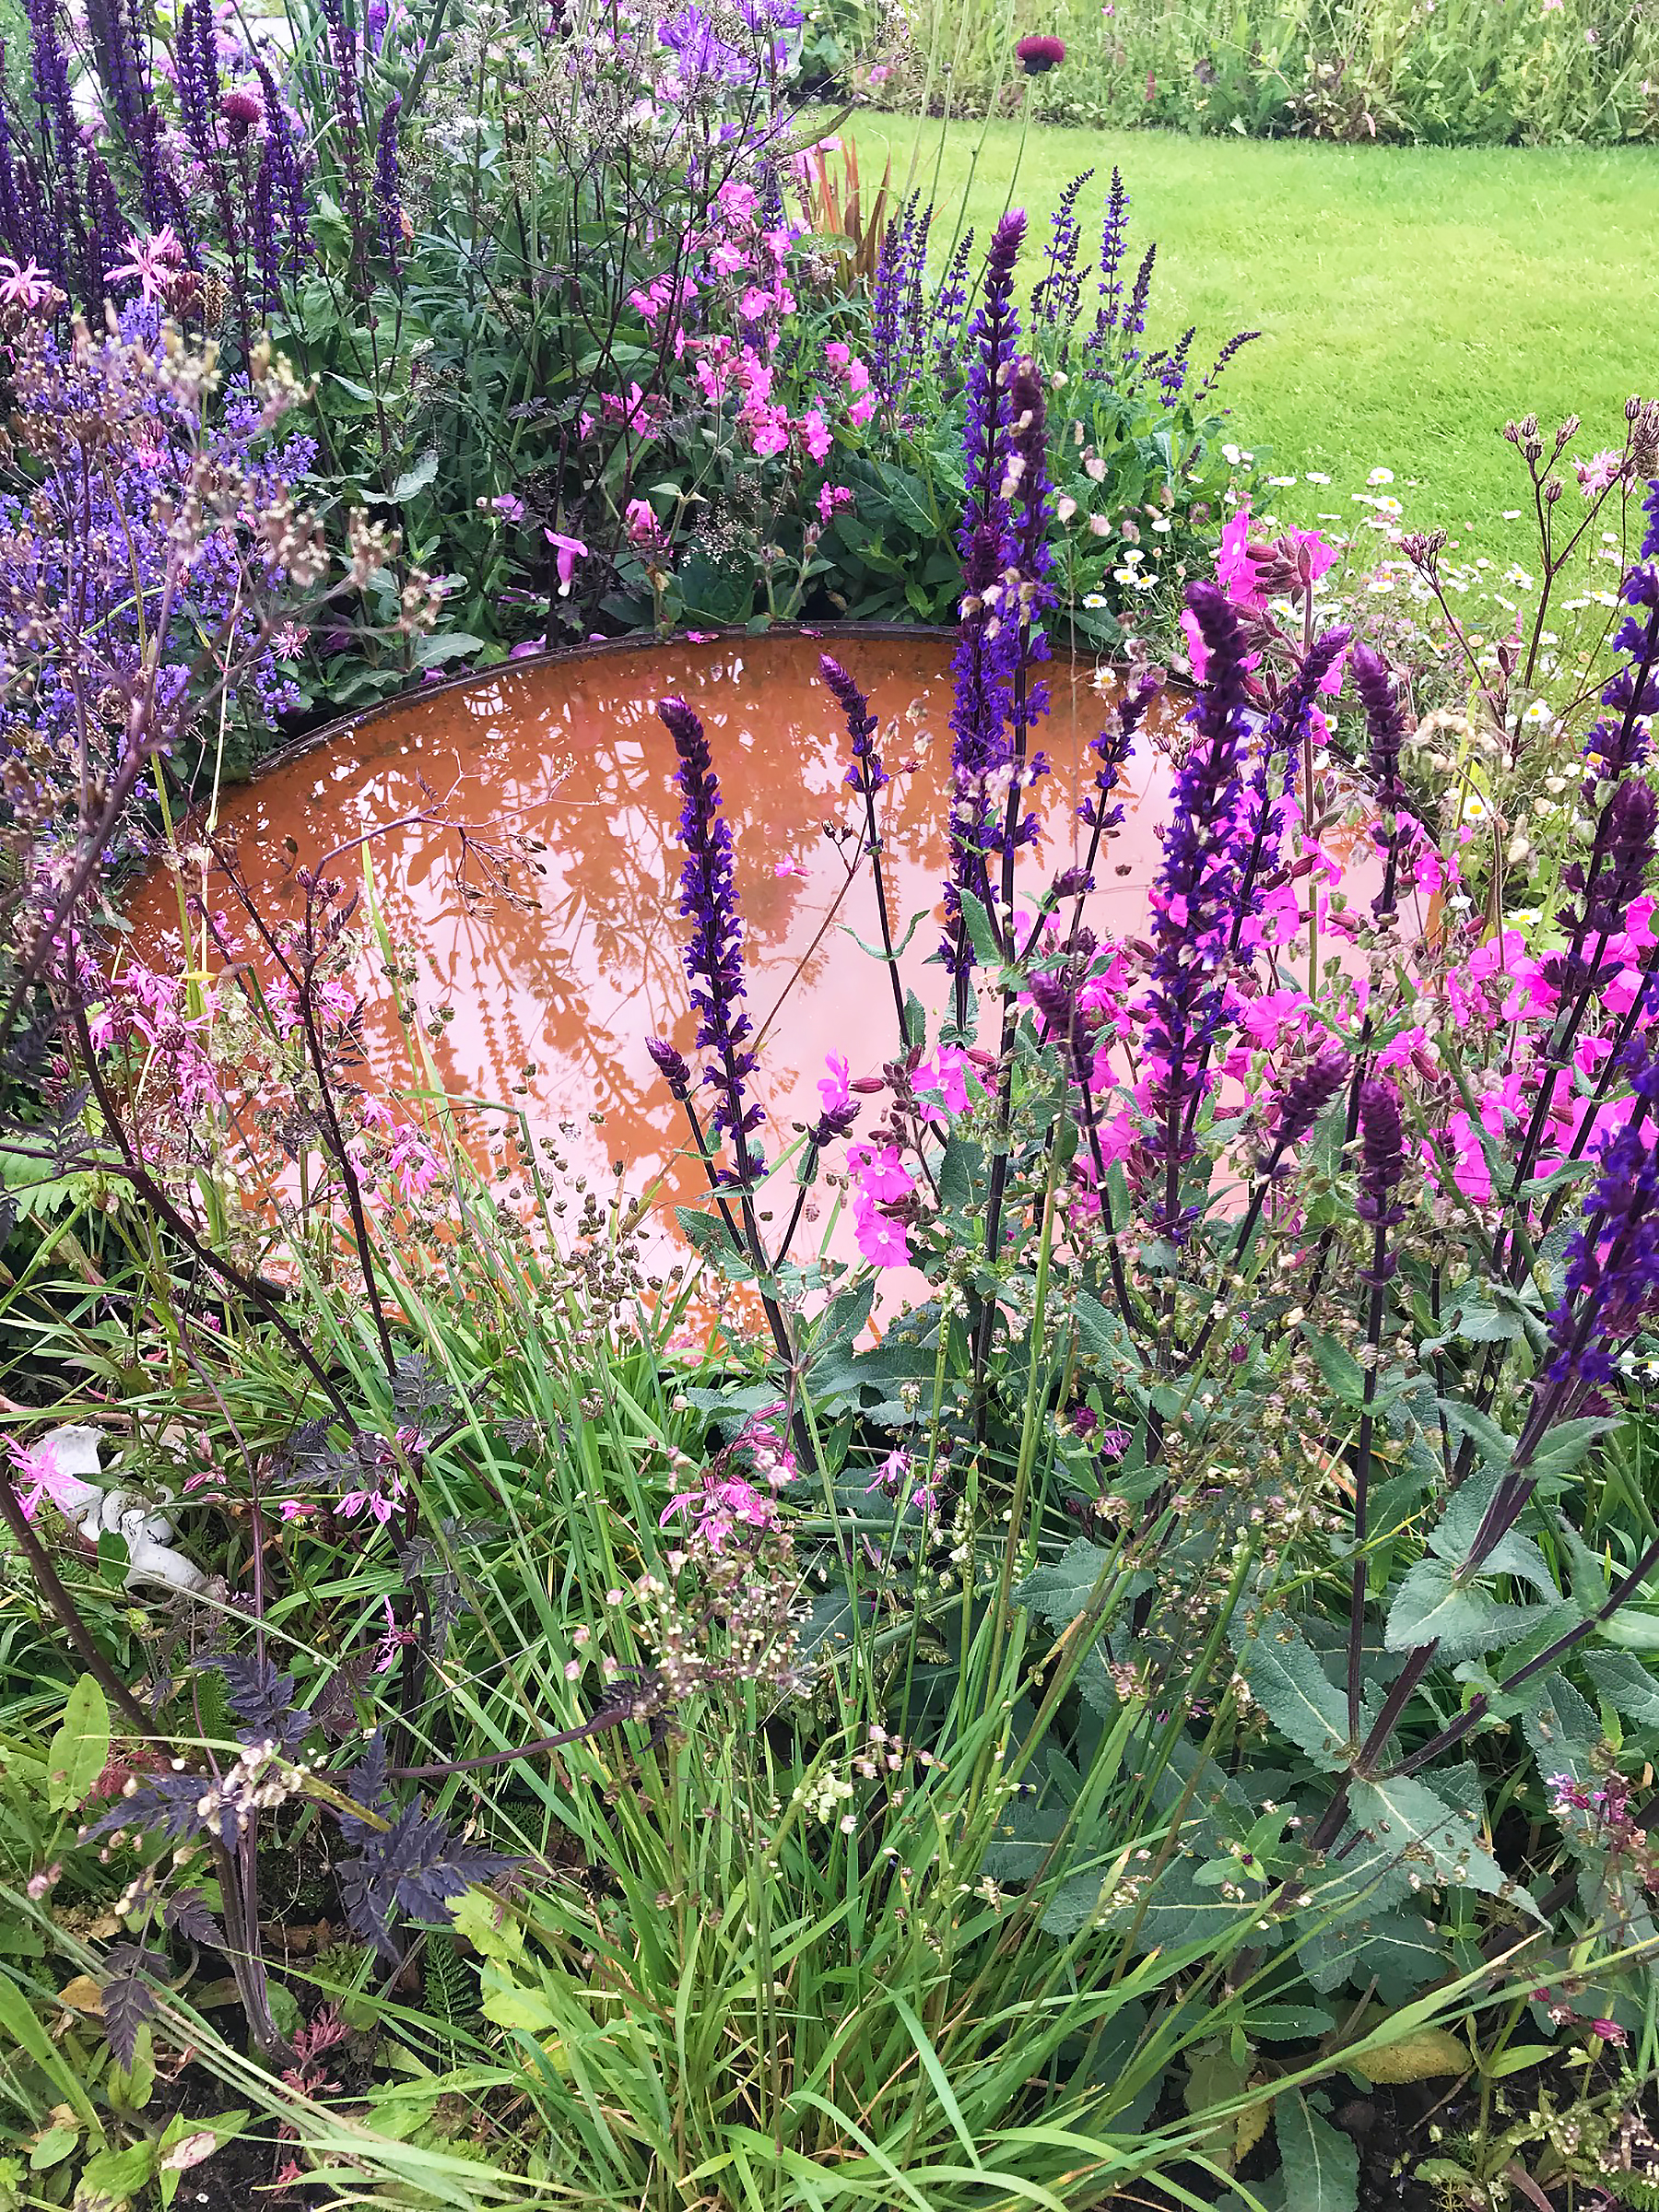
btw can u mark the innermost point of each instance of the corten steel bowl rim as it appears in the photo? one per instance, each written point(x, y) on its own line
point(344, 725)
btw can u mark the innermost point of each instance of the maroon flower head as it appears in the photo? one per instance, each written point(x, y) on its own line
point(1037, 55)
point(242, 111)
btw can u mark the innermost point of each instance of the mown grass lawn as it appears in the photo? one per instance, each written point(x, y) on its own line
point(1410, 298)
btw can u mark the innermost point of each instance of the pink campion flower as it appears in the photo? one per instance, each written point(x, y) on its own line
point(568, 552)
point(789, 867)
point(26, 286)
point(947, 1075)
point(153, 265)
point(816, 435)
point(509, 506)
point(737, 202)
point(881, 1239)
point(838, 355)
point(831, 499)
point(36, 1475)
point(882, 1174)
point(860, 410)
point(768, 429)
point(337, 999)
point(296, 1508)
point(1601, 470)
point(103, 1026)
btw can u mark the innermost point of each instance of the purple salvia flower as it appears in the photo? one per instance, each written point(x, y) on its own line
point(713, 956)
point(1054, 300)
point(1381, 1153)
point(994, 340)
point(1171, 380)
point(1219, 366)
point(1386, 726)
point(913, 319)
point(387, 199)
point(1030, 515)
point(867, 775)
point(949, 305)
point(1299, 1103)
point(1195, 903)
point(1135, 314)
point(671, 1065)
point(59, 141)
point(374, 25)
point(288, 185)
point(1114, 242)
point(887, 302)
point(1612, 1272)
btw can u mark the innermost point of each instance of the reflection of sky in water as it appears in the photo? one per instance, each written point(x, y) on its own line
point(573, 755)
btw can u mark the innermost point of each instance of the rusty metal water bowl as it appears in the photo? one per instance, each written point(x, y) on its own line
point(545, 943)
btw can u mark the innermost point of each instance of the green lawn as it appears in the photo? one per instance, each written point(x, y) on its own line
point(1411, 299)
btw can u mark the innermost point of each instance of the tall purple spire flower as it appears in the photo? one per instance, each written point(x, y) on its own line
point(1301, 1100)
point(1381, 1153)
point(1194, 901)
point(713, 954)
point(994, 341)
point(1280, 741)
point(1054, 300)
point(388, 199)
point(1135, 314)
point(988, 641)
point(950, 304)
point(867, 777)
point(1114, 242)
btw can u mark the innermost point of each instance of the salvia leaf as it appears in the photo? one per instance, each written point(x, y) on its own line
point(1628, 1687)
point(1407, 1817)
point(1286, 1680)
point(1321, 2165)
point(1433, 1606)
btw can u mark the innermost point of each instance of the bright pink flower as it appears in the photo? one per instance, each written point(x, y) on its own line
point(833, 1087)
point(154, 263)
point(815, 435)
point(382, 1501)
point(643, 529)
point(882, 1175)
point(881, 1239)
point(831, 499)
point(947, 1075)
point(569, 551)
point(27, 286)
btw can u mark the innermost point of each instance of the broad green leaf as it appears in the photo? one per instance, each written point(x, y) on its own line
point(1629, 1688)
point(1494, 1446)
point(1561, 1730)
point(415, 478)
point(1403, 1815)
point(1399, 1952)
point(115, 2175)
point(80, 1750)
point(1060, 1591)
point(986, 949)
point(1287, 1681)
point(1431, 1606)
point(1320, 2166)
point(447, 645)
point(1342, 1372)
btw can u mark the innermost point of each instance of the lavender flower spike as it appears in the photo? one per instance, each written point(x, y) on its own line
point(1381, 1153)
point(713, 956)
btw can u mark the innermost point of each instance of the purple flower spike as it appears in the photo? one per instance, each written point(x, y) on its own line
point(866, 774)
point(713, 956)
point(1612, 1278)
point(1385, 722)
point(1305, 1097)
point(1196, 902)
point(671, 1065)
point(1381, 1153)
